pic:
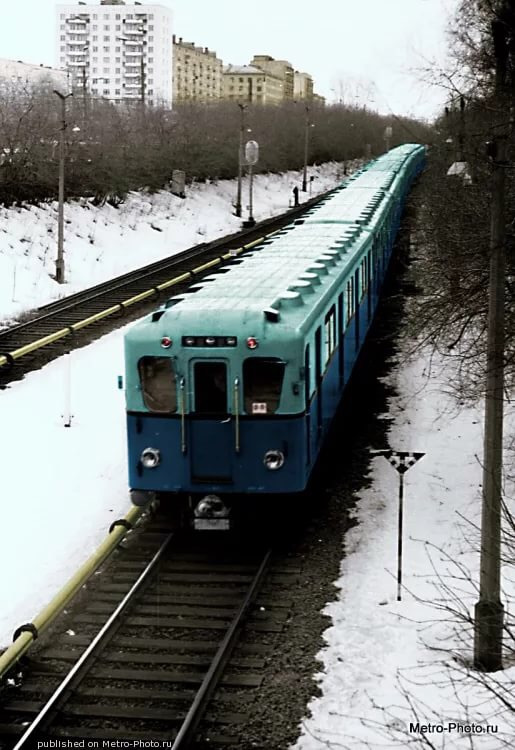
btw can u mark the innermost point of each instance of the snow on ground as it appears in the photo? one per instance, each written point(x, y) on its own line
point(102, 242)
point(389, 664)
point(63, 486)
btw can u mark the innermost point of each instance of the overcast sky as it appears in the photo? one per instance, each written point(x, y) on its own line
point(364, 51)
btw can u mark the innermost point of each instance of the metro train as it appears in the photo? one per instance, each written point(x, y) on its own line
point(231, 386)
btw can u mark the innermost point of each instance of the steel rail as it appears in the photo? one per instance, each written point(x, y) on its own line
point(51, 338)
point(97, 641)
point(186, 733)
point(25, 639)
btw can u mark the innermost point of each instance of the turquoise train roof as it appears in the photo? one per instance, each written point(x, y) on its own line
point(277, 280)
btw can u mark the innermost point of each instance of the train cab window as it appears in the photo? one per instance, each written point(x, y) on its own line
point(210, 388)
point(262, 384)
point(158, 386)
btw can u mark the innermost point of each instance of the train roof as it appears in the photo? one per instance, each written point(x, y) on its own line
point(273, 280)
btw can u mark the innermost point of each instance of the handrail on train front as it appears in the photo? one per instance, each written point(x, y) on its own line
point(237, 415)
point(182, 391)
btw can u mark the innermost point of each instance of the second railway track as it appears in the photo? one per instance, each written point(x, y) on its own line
point(179, 662)
point(77, 319)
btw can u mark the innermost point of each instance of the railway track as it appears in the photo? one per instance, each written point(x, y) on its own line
point(77, 319)
point(168, 644)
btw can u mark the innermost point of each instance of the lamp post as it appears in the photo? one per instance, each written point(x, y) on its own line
point(242, 107)
point(306, 147)
point(59, 263)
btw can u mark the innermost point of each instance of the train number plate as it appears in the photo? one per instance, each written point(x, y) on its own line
point(211, 524)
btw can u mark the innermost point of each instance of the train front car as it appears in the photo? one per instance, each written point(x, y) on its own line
point(231, 386)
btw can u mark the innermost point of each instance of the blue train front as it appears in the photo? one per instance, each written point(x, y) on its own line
point(231, 387)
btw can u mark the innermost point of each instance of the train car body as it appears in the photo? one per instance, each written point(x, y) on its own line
point(231, 386)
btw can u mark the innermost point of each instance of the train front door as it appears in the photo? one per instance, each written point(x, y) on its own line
point(211, 432)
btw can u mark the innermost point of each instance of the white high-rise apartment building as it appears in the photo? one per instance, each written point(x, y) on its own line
point(118, 51)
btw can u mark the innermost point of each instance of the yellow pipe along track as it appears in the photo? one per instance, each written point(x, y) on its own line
point(24, 640)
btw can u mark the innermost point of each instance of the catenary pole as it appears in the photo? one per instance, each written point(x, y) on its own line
point(59, 263)
point(489, 612)
point(240, 158)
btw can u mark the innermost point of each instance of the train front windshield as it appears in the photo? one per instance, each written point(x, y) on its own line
point(158, 386)
point(262, 384)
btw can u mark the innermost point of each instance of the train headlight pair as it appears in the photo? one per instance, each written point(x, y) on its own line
point(273, 460)
point(150, 458)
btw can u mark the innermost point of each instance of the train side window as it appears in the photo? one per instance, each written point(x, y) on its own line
point(262, 383)
point(364, 276)
point(158, 386)
point(330, 333)
point(350, 298)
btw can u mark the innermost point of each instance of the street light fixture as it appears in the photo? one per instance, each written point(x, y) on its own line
point(59, 263)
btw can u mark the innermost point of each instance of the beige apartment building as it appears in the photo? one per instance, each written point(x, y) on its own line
point(248, 83)
point(197, 73)
point(302, 86)
point(281, 69)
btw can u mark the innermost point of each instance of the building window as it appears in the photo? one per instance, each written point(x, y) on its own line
point(118, 16)
point(95, 49)
point(106, 38)
point(117, 92)
point(94, 38)
point(118, 71)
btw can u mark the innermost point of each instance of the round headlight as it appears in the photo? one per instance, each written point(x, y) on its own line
point(150, 458)
point(273, 460)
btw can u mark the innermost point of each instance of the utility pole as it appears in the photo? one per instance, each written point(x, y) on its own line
point(306, 146)
point(489, 611)
point(59, 263)
point(240, 158)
